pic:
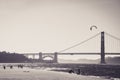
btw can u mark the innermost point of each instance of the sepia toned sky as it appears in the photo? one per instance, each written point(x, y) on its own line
point(53, 25)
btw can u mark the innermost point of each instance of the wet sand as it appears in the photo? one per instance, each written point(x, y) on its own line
point(38, 74)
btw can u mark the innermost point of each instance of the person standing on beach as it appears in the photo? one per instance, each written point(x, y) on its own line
point(4, 67)
point(11, 67)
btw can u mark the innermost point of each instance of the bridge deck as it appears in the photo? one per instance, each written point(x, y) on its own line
point(71, 53)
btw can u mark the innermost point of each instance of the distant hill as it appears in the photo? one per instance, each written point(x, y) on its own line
point(113, 60)
point(79, 61)
point(109, 60)
point(6, 57)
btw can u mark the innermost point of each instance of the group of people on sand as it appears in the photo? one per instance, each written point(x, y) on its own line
point(20, 66)
point(11, 66)
point(4, 67)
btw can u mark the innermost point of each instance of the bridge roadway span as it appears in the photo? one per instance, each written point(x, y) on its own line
point(55, 55)
point(71, 53)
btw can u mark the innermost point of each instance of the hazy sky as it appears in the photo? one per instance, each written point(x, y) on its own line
point(53, 25)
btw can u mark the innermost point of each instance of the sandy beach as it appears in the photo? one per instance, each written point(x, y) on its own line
point(38, 74)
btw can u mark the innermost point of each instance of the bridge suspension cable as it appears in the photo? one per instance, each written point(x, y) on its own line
point(79, 43)
point(112, 36)
point(112, 43)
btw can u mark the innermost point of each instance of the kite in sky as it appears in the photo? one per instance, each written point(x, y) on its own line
point(91, 28)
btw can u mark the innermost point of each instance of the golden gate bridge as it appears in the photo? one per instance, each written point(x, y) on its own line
point(102, 52)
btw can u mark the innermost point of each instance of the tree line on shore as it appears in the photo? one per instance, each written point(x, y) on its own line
point(7, 57)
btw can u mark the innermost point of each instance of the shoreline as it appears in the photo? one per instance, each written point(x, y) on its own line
point(39, 74)
point(37, 68)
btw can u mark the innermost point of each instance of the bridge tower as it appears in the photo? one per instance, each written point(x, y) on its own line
point(55, 57)
point(40, 57)
point(102, 48)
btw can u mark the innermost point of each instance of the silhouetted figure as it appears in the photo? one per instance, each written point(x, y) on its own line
point(78, 71)
point(4, 67)
point(20, 66)
point(71, 71)
point(11, 67)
